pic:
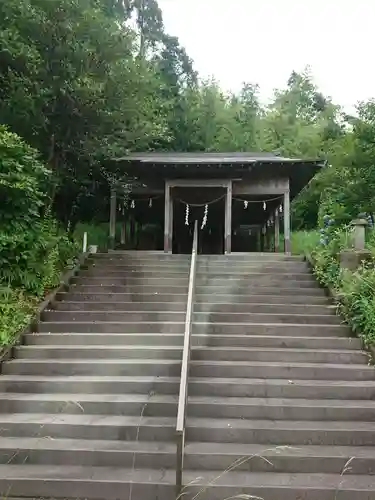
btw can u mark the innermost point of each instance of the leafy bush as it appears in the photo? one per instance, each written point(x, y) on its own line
point(354, 291)
point(24, 235)
point(303, 242)
point(16, 311)
point(33, 251)
point(357, 301)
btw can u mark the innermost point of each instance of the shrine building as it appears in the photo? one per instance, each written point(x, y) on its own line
point(240, 200)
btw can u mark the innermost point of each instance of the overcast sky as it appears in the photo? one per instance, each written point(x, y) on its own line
point(262, 41)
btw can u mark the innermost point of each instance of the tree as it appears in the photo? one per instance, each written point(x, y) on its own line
point(23, 184)
point(72, 88)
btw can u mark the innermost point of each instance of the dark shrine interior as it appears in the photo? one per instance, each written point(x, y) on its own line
point(145, 221)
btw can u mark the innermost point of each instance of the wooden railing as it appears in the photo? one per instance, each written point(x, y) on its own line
point(183, 395)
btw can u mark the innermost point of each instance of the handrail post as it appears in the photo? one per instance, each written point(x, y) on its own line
point(183, 394)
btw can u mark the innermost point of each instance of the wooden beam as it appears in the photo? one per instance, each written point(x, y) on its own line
point(269, 188)
point(228, 219)
point(287, 223)
point(112, 219)
point(199, 183)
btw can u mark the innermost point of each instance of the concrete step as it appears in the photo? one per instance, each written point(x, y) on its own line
point(290, 371)
point(44, 384)
point(259, 317)
point(266, 308)
point(205, 353)
point(278, 486)
point(256, 276)
point(280, 409)
point(247, 284)
point(198, 308)
point(125, 367)
point(81, 426)
point(151, 405)
point(179, 316)
point(141, 289)
point(118, 261)
point(260, 289)
point(279, 459)
point(240, 300)
point(121, 306)
point(199, 456)
point(282, 388)
point(207, 291)
point(208, 386)
point(156, 405)
point(170, 339)
point(272, 265)
point(233, 257)
point(143, 273)
point(88, 453)
point(128, 298)
point(203, 273)
point(251, 256)
point(268, 354)
point(140, 255)
point(128, 266)
point(207, 266)
point(111, 327)
point(180, 306)
point(107, 352)
point(240, 284)
point(272, 329)
point(131, 405)
point(281, 432)
point(127, 280)
point(113, 316)
point(96, 483)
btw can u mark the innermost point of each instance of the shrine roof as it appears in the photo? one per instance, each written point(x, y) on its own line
point(206, 158)
point(230, 165)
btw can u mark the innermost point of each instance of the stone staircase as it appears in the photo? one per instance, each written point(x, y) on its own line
point(280, 397)
point(281, 400)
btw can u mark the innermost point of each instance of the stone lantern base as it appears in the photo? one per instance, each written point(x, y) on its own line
point(352, 259)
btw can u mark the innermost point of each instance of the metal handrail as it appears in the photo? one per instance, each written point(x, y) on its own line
point(183, 394)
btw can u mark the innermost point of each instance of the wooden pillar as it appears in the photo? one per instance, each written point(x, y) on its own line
point(277, 230)
point(269, 235)
point(264, 238)
point(259, 239)
point(123, 230)
point(168, 212)
point(287, 223)
point(171, 222)
point(228, 220)
point(112, 219)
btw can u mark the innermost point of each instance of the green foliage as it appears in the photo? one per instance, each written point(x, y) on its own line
point(354, 291)
point(33, 251)
point(97, 234)
point(72, 87)
point(23, 180)
point(30, 244)
point(16, 311)
point(303, 242)
point(86, 81)
point(357, 302)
